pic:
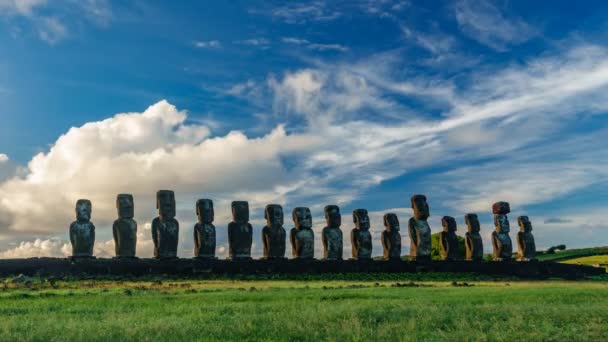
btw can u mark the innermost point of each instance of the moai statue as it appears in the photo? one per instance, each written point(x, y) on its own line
point(301, 236)
point(332, 234)
point(273, 234)
point(448, 239)
point(165, 228)
point(391, 238)
point(525, 240)
point(501, 242)
point(82, 231)
point(124, 228)
point(204, 230)
point(240, 231)
point(472, 239)
point(360, 237)
point(419, 230)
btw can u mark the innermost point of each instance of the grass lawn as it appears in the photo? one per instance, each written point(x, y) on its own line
point(403, 307)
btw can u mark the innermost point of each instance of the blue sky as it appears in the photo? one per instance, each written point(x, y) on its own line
point(359, 103)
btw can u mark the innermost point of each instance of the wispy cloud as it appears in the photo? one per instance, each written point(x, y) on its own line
point(483, 21)
point(210, 44)
point(51, 30)
point(258, 42)
point(314, 46)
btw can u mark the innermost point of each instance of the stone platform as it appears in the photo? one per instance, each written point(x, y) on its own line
point(190, 267)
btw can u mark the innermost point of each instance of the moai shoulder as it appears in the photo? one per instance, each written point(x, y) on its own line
point(473, 241)
point(82, 231)
point(124, 229)
point(332, 234)
point(361, 238)
point(448, 239)
point(301, 236)
point(204, 230)
point(525, 240)
point(240, 231)
point(419, 230)
point(501, 241)
point(273, 234)
point(165, 228)
point(391, 238)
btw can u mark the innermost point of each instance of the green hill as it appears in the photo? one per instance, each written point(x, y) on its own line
point(569, 254)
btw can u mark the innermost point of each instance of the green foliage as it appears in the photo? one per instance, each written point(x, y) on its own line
point(305, 311)
point(572, 253)
point(436, 247)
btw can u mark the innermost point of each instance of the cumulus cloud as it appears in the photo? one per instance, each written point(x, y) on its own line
point(3, 158)
point(139, 153)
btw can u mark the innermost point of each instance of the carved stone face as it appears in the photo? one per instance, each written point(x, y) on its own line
point(502, 208)
point(83, 210)
point(501, 222)
point(472, 223)
point(240, 211)
point(274, 215)
point(302, 218)
point(391, 222)
point(165, 203)
point(125, 206)
point(524, 224)
point(204, 211)
point(361, 219)
point(332, 216)
point(421, 208)
point(448, 223)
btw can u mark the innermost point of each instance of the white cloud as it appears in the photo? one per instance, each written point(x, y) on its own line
point(51, 30)
point(261, 42)
point(484, 22)
point(141, 153)
point(314, 46)
point(240, 88)
point(3, 158)
point(211, 44)
point(22, 7)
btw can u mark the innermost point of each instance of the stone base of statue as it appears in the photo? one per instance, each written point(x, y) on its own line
point(239, 258)
point(125, 258)
point(421, 258)
point(145, 267)
point(205, 257)
point(273, 258)
point(81, 257)
point(167, 258)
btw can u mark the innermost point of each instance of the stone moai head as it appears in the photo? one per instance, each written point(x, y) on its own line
point(204, 211)
point(83, 210)
point(240, 211)
point(333, 216)
point(501, 221)
point(125, 206)
point(421, 207)
point(302, 218)
point(472, 223)
point(165, 203)
point(524, 224)
point(391, 222)
point(274, 215)
point(449, 224)
point(361, 219)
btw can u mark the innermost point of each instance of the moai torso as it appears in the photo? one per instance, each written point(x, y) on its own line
point(82, 231)
point(273, 234)
point(391, 238)
point(419, 230)
point(165, 228)
point(301, 236)
point(124, 228)
point(332, 234)
point(473, 241)
point(240, 231)
point(360, 237)
point(526, 250)
point(448, 240)
point(204, 230)
point(501, 241)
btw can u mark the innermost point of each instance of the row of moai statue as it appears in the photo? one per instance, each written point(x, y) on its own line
point(165, 232)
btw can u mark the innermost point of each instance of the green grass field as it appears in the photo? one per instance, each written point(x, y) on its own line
point(398, 307)
point(573, 253)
